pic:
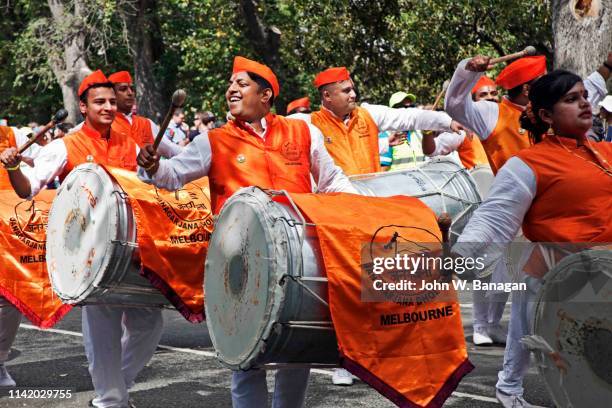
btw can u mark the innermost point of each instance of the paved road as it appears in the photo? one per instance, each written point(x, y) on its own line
point(184, 373)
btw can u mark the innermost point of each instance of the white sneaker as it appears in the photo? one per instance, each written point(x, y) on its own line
point(512, 401)
point(497, 334)
point(5, 378)
point(481, 338)
point(342, 377)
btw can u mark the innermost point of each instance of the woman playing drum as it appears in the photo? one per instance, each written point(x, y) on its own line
point(559, 190)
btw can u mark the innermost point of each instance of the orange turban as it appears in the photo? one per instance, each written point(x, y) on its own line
point(331, 75)
point(299, 103)
point(521, 71)
point(120, 77)
point(242, 64)
point(96, 77)
point(483, 81)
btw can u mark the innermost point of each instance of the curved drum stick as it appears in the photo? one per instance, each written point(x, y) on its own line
point(59, 117)
point(178, 99)
point(527, 51)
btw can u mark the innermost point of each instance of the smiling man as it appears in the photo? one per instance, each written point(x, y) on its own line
point(259, 148)
point(118, 341)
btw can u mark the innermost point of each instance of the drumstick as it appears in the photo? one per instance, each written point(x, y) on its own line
point(59, 117)
point(530, 50)
point(439, 97)
point(444, 222)
point(178, 99)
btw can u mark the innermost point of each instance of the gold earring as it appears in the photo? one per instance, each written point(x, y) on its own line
point(550, 131)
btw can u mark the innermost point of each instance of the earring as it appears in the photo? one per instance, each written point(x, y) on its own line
point(550, 131)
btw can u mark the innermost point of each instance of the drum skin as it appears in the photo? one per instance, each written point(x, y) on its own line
point(573, 315)
point(483, 177)
point(92, 253)
point(442, 184)
point(256, 311)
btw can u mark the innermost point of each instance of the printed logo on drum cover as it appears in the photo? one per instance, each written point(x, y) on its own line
point(186, 208)
point(400, 245)
point(30, 223)
point(292, 152)
point(90, 197)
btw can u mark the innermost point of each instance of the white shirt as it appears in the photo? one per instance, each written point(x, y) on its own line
point(447, 143)
point(21, 138)
point(49, 164)
point(195, 160)
point(403, 119)
point(501, 215)
point(481, 117)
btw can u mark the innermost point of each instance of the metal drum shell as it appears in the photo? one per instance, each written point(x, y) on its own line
point(290, 331)
point(118, 281)
point(562, 295)
point(441, 184)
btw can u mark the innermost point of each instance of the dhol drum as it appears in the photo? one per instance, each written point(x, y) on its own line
point(92, 254)
point(442, 184)
point(266, 295)
point(483, 177)
point(573, 317)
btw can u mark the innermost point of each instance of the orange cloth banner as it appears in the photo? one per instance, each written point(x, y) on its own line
point(173, 230)
point(24, 280)
point(416, 361)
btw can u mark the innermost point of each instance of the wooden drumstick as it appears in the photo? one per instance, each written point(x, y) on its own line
point(178, 99)
point(530, 50)
point(59, 117)
point(444, 222)
point(439, 97)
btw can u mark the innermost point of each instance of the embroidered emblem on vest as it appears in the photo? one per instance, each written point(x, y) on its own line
point(291, 151)
point(241, 158)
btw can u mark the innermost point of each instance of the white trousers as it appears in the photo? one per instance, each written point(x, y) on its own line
point(119, 342)
point(488, 308)
point(516, 355)
point(250, 390)
point(10, 318)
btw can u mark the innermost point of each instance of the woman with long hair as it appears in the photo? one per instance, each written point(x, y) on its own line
point(559, 190)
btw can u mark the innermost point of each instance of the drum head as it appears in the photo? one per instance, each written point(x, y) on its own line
point(574, 316)
point(483, 176)
point(83, 222)
point(247, 256)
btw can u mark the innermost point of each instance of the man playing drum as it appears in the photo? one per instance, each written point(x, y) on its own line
point(118, 341)
point(259, 148)
point(351, 131)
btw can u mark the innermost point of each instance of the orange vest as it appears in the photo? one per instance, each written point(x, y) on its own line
point(573, 202)
point(506, 140)
point(354, 147)
point(471, 152)
point(118, 151)
point(139, 129)
point(7, 139)
point(241, 158)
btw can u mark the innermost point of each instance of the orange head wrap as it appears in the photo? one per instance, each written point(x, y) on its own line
point(522, 71)
point(299, 103)
point(483, 81)
point(242, 64)
point(331, 75)
point(96, 77)
point(120, 77)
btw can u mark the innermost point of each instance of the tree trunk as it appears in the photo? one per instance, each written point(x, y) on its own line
point(71, 67)
point(143, 45)
point(265, 40)
point(582, 31)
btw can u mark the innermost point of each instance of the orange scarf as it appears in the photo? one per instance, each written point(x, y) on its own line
point(24, 280)
point(412, 364)
point(172, 239)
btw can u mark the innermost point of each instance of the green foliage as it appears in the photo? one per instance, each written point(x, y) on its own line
point(388, 45)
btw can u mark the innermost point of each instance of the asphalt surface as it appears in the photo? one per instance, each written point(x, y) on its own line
point(184, 372)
